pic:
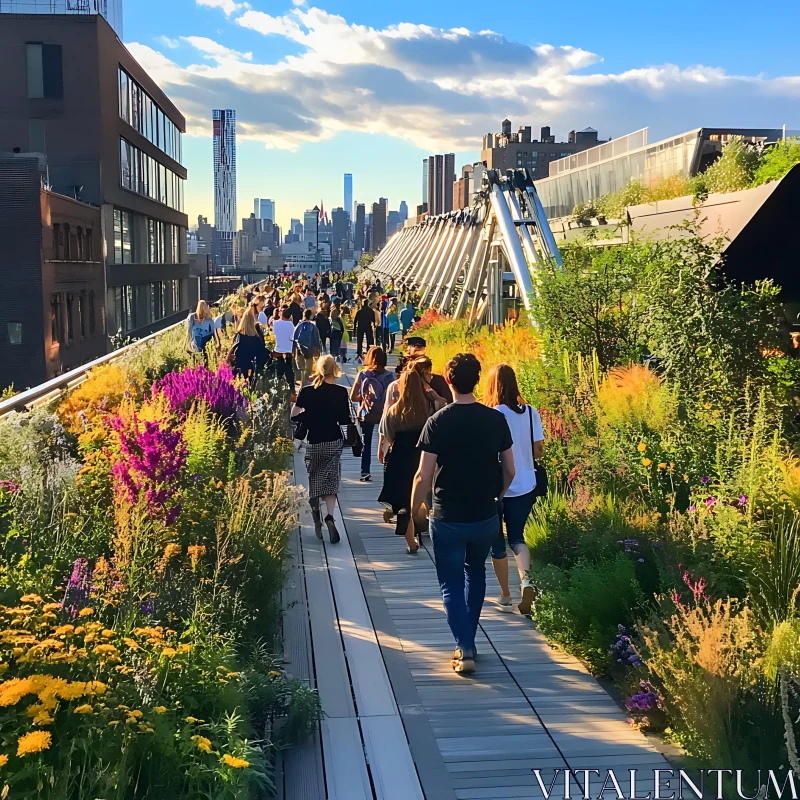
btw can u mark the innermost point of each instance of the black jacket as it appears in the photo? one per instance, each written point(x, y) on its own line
point(365, 318)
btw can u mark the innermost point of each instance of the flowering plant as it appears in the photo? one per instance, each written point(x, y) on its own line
point(217, 389)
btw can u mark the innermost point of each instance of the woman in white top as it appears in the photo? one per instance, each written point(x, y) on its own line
point(283, 329)
point(502, 393)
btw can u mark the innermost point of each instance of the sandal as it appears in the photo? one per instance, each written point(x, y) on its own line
point(462, 665)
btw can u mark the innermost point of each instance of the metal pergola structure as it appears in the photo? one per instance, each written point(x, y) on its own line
point(455, 262)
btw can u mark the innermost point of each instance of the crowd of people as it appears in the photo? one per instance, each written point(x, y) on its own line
point(462, 470)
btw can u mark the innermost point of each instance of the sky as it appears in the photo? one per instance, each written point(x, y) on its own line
point(372, 88)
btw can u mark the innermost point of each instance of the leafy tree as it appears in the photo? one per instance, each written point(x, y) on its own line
point(592, 303)
point(777, 161)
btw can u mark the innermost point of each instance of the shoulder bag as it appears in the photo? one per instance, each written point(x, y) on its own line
point(540, 490)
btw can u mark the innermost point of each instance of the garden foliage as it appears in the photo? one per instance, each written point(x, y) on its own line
point(667, 552)
point(144, 520)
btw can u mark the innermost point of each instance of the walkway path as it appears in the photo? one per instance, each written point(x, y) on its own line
point(365, 625)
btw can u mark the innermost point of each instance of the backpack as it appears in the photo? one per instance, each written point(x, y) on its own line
point(304, 338)
point(373, 396)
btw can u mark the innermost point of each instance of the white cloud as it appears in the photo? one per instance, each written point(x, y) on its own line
point(172, 44)
point(228, 6)
point(444, 88)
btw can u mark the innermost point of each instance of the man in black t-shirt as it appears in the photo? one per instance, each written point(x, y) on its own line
point(466, 455)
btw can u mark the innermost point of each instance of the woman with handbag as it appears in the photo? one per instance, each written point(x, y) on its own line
point(399, 430)
point(324, 407)
point(502, 393)
point(369, 391)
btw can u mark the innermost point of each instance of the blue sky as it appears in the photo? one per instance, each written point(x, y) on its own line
point(368, 88)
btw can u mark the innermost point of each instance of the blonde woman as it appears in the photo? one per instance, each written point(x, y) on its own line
point(251, 352)
point(324, 407)
point(199, 328)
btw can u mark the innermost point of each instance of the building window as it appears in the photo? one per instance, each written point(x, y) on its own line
point(141, 112)
point(123, 237)
point(79, 240)
point(14, 332)
point(82, 313)
point(56, 325)
point(70, 325)
point(175, 255)
point(56, 241)
point(45, 73)
point(89, 245)
point(91, 312)
point(176, 295)
point(140, 173)
point(67, 243)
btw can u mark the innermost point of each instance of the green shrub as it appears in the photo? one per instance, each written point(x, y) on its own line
point(777, 161)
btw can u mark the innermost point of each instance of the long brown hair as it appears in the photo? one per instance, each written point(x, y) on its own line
point(413, 407)
point(375, 359)
point(502, 389)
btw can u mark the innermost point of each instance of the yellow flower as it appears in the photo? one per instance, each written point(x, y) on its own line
point(662, 465)
point(107, 633)
point(30, 598)
point(131, 643)
point(43, 719)
point(184, 648)
point(236, 763)
point(136, 714)
point(51, 607)
point(686, 479)
point(86, 612)
point(33, 742)
point(113, 723)
point(642, 447)
point(202, 743)
point(105, 649)
point(646, 462)
point(168, 652)
point(160, 709)
point(80, 630)
point(84, 709)
point(95, 687)
point(11, 692)
point(194, 720)
point(3, 760)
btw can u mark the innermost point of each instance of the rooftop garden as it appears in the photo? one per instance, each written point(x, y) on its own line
point(144, 518)
point(740, 166)
point(667, 552)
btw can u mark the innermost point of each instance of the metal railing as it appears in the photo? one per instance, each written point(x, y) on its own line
point(51, 389)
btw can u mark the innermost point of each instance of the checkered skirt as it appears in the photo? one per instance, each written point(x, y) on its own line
point(324, 465)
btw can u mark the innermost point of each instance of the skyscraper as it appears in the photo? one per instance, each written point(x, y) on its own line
point(378, 239)
point(441, 173)
point(348, 194)
point(403, 211)
point(224, 131)
point(358, 234)
point(424, 180)
point(264, 209)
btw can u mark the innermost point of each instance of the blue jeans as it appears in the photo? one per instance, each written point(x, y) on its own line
point(367, 429)
point(515, 511)
point(460, 550)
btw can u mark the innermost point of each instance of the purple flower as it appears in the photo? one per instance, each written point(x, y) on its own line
point(153, 454)
point(705, 479)
point(78, 587)
point(183, 389)
point(743, 500)
point(646, 700)
point(196, 477)
point(9, 486)
point(710, 501)
point(692, 508)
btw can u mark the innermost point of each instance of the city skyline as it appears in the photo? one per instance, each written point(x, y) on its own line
point(397, 90)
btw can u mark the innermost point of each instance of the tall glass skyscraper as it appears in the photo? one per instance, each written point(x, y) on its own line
point(224, 120)
point(264, 208)
point(348, 194)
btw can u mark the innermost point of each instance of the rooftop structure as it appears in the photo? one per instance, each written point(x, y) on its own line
point(610, 166)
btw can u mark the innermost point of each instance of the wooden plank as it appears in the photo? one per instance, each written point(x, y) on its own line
point(392, 766)
point(345, 765)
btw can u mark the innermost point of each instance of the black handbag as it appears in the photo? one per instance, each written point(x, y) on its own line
point(300, 428)
point(353, 439)
point(540, 490)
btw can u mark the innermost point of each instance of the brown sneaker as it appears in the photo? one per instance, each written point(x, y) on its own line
point(462, 665)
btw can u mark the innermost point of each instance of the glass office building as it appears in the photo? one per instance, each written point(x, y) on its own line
point(610, 166)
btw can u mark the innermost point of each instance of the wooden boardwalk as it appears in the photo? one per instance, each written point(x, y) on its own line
point(365, 625)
